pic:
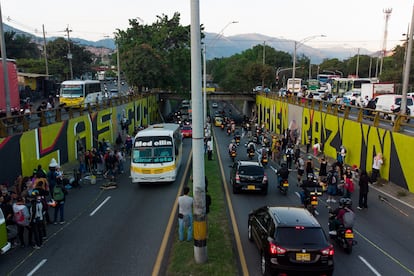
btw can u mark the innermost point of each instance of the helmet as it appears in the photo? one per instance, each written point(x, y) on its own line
point(310, 176)
point(309, 157)
point(345, 202)
point(233, 141)
point(283, 165)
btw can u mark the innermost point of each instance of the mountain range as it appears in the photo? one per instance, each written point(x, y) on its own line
point(218, 46)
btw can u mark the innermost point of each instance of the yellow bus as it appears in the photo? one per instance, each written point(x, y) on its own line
point(80, 93)
point(156, 154)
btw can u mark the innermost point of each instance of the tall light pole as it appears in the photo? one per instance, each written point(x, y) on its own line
point(406, 76)
point(205, 67)
point(297, 45)
point(5, 68)
point(357, 66)
point(69, 53)
point(199, 206)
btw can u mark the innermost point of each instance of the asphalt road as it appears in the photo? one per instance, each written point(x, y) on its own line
point(383, 232)
point(107, 232)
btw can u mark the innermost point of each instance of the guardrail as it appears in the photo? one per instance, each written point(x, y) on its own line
point(397, 122)
point(24, 122)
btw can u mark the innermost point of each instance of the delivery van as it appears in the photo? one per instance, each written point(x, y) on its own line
point(391, 103)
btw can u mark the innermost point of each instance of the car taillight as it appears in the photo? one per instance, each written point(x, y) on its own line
point(237, 178)
point(264, 178)
point(329, 251)
point(275, 249)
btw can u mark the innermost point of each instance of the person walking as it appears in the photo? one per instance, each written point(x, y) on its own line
point(348, 183)
point(332, 185)
point(22, 219)
point(185, 215)
point(363, 190)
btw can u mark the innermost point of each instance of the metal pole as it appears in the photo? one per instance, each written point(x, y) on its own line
point(294, 67)
point(199, 207)
point(357, 66)
point(205, 85)
point(5, 69)
point(407, 68)
point(118, 68)
point(69, 54)
point(45, 52)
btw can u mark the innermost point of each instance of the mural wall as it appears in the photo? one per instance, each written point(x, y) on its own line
point(21, 153)
point(362, 141)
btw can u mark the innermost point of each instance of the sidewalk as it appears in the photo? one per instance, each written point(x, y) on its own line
point(389, 189)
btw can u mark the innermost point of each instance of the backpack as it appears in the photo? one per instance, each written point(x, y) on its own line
point(22, 217)
point(349, 218)
point(331, 178)
point(58, 193)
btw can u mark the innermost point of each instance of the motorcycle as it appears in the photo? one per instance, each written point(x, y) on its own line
point(251, 154)
point(233, 154)
point(311, 202)
point(284, 186)
point(344, 235)
point(264, 160)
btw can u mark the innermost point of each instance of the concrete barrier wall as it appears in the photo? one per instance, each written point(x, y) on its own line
point(362, 141)
point(21, 153)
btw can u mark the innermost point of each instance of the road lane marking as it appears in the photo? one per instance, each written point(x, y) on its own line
point(99, 207)
point(161, 252)
point(369, 266)
point(385, 253)
point(239, 245)
point(39, 265)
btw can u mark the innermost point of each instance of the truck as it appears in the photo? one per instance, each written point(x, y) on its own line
point(373, 90)
point(13, 89)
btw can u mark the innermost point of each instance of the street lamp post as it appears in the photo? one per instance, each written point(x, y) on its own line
point(204, 68)
point(297, 45)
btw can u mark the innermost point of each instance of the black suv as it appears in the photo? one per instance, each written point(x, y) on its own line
point(248, 176)
point(290, 241)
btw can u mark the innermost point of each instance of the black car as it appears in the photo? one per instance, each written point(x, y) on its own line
point(248, 176)
point(290, 241)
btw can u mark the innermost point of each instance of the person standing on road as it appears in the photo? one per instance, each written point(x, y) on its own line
point(185, 215)
point(300, 165)
point(332, 184)
point(363, 190)
point(59, 195)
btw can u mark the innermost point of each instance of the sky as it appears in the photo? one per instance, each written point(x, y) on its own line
point(350, 24)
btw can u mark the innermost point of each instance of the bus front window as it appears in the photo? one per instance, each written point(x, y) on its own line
point(142, 155)
point(71, 91)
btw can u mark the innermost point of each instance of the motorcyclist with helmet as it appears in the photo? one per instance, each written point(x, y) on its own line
point(232, 146)
point(282, 173)
point(251, 147)
point(336, 219)
point(306, 185)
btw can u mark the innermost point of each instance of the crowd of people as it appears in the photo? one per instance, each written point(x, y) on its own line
point(27, 205)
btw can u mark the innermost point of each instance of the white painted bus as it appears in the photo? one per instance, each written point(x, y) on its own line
point(78, 93)
point(156, 154)
point(294, 85)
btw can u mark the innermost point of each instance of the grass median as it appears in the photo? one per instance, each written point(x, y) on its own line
point(220, 250)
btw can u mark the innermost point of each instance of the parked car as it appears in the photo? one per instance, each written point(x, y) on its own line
point(290, 241)
point(392, 103)
point(248, 176)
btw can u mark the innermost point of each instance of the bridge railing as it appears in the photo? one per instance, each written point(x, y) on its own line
point(398, 122)
point(24, 122)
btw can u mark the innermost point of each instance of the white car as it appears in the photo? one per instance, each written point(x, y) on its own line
point(214, 105)
point(258, 88)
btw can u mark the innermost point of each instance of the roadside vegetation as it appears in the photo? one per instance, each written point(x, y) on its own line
point(220, 250)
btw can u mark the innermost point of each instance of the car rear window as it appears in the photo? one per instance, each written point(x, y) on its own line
point(300, 236)
point(251, 170)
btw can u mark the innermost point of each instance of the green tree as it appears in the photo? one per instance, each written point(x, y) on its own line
point(20, 46)
point(157, 55)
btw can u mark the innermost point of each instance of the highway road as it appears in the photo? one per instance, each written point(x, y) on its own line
point(383, 232)
point(107, 232)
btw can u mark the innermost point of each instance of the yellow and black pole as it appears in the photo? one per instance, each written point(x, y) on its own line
point(199, 207)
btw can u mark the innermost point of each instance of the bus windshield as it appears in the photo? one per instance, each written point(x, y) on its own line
point(71, 90)
point(153, 150)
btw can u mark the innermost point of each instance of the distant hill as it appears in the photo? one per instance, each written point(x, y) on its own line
point(218, 46)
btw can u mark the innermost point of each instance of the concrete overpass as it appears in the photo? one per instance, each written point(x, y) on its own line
point(249, 99)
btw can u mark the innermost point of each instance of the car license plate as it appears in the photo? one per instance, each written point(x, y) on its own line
point(285, 184)
point(314, 202)
point(251, 187)
point(302, 257)
point(349, 235)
